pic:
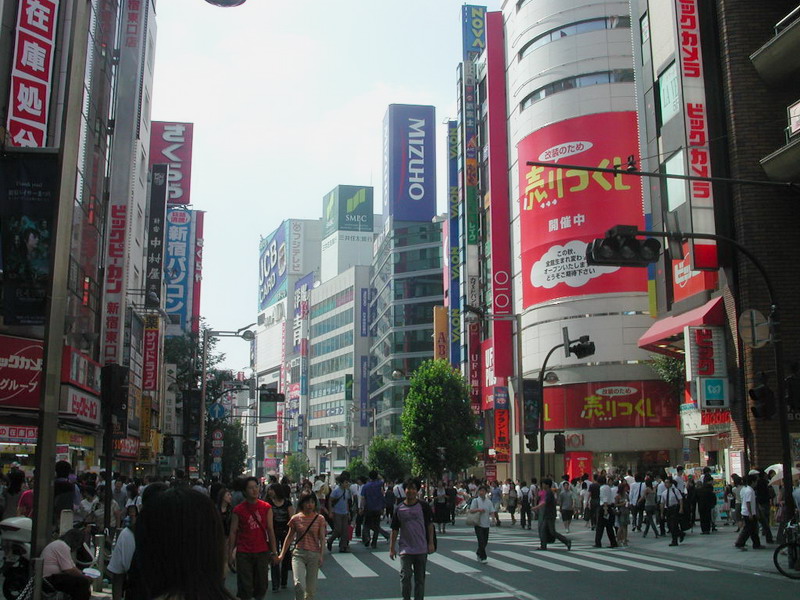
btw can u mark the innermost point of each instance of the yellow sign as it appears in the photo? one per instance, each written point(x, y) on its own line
point(440, 330)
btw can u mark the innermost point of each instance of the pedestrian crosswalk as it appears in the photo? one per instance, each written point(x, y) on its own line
point(456, 559)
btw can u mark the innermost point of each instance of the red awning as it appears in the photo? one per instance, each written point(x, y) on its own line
point(665, 330)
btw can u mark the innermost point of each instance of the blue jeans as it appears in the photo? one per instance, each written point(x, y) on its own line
point(413, 564)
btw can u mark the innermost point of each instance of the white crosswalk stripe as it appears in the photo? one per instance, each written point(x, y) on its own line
point(675, 563)
point(395, 564)
point(353, 565)
point(450, 564)
point(580, 562)
point(535, 562)
point(507, 567)
point(617, 560)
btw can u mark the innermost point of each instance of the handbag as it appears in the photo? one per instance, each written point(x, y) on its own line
point(473, 519)
point(296, 541)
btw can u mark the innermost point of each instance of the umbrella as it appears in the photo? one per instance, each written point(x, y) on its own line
point(776, 467)
point(778, 479)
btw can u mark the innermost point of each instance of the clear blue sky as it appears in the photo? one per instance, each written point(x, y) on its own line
point(288, 99)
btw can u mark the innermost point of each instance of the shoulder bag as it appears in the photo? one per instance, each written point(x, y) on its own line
point(473, 518)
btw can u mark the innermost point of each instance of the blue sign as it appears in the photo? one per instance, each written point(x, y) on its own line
point(455, 248)
point(216, 452)
point(713, 392)
point(216, 411)
point(473, 31)
point(177, 264)
point(216, 467)
point(409, 163)
point(272, 267)
point(363, 393)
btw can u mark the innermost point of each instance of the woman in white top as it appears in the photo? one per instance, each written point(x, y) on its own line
point(485, 508)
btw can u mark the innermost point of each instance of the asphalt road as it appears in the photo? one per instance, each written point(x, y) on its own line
point(517, 570)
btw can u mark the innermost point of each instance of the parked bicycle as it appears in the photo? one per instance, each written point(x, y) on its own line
point(787, 555)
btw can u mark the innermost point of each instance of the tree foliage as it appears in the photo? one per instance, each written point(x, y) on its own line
point(673, 371)
point(234, 450)
point(296, 467)
point(437, 420)
point(389, 458)
point(358, 468)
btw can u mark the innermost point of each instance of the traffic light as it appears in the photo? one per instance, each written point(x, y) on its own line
point(620, 248)
point(763, 401)
point(189, 448)
point(168, 447)
point(560, 443)
point(532, 442)
point(583, 348)
point(266, 394)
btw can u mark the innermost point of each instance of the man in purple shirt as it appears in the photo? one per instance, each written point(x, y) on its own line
point(413, 520)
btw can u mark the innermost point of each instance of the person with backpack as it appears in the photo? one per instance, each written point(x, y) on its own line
point(340, 500)
point(413, 521)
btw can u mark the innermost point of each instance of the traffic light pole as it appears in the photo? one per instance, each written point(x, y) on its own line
point(777, 349)
point(541, 409)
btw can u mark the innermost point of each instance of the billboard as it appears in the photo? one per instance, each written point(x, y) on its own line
point(272, 268)
point(28, 195)
point(20, 372)
point(32, 72)
point(609, 404)
point(347, 208)
point(454, 250)
point(171, 144)
point(177, 265)
point(150, 369)
point(155, 236)
point(113, 295)
point(198, 219)
point(409, 163)
point(561, 210)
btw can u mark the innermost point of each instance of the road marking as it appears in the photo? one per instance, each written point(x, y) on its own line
point(583, 563)
point(321, 575)
point(621, 561)
point(528, 560)
point(484, 596)
point(450, 564)
point(508, 568)
point(674, 563)
point(395, 564)
point(511, 590)
point(353, 566)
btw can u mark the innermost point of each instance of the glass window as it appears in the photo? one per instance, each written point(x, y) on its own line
point(676, 188)
point(589, 79)
point(669, 95)
point(613, 22)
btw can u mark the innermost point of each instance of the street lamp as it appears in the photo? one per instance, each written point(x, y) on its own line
point(246, 334)
point(479, 314)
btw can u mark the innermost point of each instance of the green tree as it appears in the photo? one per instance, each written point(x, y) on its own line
point(296, 467)
point(389, 458)
point(437, 420)
point(357, 468)
point(234, 450)
point(673, 371)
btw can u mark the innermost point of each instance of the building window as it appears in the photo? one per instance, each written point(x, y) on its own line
point(669, 103)
point(573, 29)
point(675, 188)
point(644, 28)
point(579, 81)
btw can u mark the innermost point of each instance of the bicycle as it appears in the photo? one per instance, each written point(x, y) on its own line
point(787, 555)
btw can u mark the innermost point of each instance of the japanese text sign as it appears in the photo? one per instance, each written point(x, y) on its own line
point(171, 144)
point(705, 355)
point(32, 72)
point(20, 372)
point(609, 404)
point(177, 263)
point(562, 209)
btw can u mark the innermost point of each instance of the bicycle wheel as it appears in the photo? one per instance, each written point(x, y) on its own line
point(786, 559)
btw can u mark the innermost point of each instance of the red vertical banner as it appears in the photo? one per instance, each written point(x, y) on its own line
point(474, 350)
point(197, 274)
point(150, 358)
point(171, 144)
point(578, 463)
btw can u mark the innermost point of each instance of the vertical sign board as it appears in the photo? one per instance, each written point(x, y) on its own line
point(704, 252)
point(155, 236)
point(272, 268)
point(32, 72)
point(474, 42)
point(561, 210)
point(177, 268)
point(28, 189)
point(474, 368)
point(171, 144)
point(409, 163)
point(440, 327)
point(499, 209)
point(150, 358)
point(113, 287)
point(198, 218)
point(454, 251)
point(20, 372)
point(363, 396)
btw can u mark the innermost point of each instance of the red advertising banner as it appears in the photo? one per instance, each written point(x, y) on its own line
point(687, 282)
point(171, 143)
point(563, 209)
point(150, 359)
point(18, 434)
point(502, 433)
point(474, 350)
point(79, 370)
point(488, 382)
point(197, 271)
point(609, 404)
point(20, 372)
point(32, 72)
point(127, 448)
point(113, 313)
point(578, 463)
point(80, 405)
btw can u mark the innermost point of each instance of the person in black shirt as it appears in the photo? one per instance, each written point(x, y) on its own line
point(547, 517)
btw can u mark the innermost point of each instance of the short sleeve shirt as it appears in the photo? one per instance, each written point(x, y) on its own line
point(122, 555)
point(748, 495)
point(56, 558)
point(409, 519)
point(312, 540)
point(486, 505)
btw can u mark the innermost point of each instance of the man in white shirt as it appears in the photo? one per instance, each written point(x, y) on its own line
point(660, 487)
point(504, 488)
point(749, 516)
point(605, 515)
point(630, 478)
point(680, 482)
point(672, 509)
point(636, 499)
point(485, 507)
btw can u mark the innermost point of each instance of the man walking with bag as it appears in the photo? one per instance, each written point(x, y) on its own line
point(672, 509)
point(413, 521)
point(340, 500)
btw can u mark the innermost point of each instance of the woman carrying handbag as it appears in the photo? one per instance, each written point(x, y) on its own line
point(306, 542)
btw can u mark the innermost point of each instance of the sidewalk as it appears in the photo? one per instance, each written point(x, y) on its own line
point(715, 548)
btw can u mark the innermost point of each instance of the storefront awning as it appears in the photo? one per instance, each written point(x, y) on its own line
point(664, 331)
